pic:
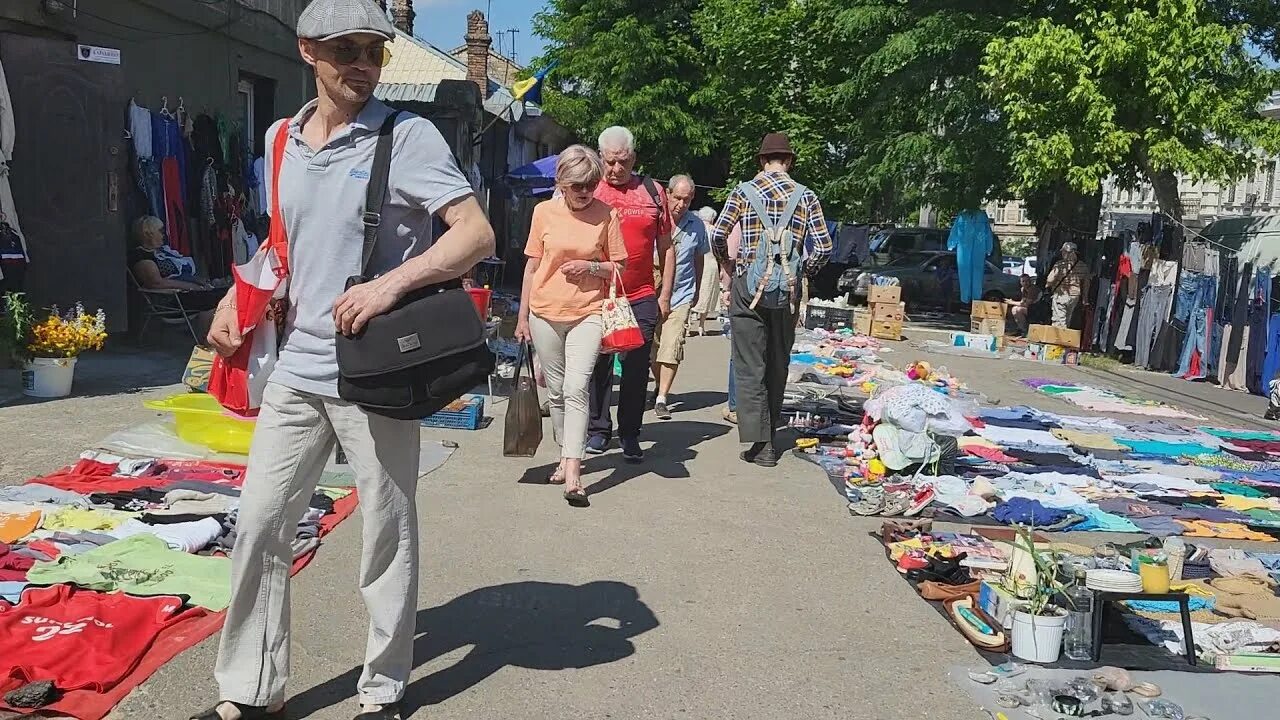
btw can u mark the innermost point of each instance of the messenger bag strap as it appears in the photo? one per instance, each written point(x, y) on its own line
point(377, 193)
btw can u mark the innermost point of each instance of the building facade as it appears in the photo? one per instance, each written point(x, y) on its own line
point(74, 66)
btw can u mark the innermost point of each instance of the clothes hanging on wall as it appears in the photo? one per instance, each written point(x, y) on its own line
point(14, 255)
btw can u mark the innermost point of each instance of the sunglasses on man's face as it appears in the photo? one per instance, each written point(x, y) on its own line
point(349, 54)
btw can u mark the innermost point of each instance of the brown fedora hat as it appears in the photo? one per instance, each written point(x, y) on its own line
point(775, 144)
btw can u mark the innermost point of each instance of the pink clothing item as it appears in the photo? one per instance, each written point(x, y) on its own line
point(989, 453)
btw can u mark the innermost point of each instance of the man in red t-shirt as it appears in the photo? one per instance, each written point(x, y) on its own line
point(646, 228)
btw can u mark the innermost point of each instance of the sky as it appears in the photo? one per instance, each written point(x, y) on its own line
point(443, 23)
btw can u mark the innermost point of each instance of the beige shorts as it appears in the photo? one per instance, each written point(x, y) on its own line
point(668, 338)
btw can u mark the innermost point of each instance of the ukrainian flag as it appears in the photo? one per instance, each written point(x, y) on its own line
point(530, 89)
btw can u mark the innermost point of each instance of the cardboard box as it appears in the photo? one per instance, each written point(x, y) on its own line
point(884, 294)
point(1051, 335)
point(862, 321)
point(827, 318)
point(973, 341)
point(886, 329)
point(889, 311)
point(988, 326)
point(981, 309)
point(999, 604)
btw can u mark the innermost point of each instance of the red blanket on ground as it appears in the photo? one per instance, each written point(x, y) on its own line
point(87, 704)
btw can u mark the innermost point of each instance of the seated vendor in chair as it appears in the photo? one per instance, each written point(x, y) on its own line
point(158, 267)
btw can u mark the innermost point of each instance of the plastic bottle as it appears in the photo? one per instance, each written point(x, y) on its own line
point(1078, 637)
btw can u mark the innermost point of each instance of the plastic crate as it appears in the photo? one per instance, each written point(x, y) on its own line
point(464, 413)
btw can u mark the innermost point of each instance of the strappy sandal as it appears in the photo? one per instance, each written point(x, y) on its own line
point(557, 477)
point(577, 497)
point(247, 712)
point(386, 712)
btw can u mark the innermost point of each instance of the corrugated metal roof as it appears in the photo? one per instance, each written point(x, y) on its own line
point(405, 92)
point(417, 68)
point(416, 62)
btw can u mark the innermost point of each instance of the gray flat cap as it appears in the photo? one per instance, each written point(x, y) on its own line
point(328, 19)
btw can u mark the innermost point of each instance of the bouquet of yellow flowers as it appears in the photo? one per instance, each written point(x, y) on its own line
point(67, 335)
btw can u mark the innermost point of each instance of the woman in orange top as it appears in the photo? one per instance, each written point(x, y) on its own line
point(574, 249)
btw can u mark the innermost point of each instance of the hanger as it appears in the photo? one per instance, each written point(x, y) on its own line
point(164, 108)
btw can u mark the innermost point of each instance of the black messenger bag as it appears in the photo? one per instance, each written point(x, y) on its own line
point(428, 350)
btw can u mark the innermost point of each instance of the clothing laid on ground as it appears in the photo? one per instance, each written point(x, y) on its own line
point(558, 235)
point(643, 222)
point(79, 638)
point(141, 565)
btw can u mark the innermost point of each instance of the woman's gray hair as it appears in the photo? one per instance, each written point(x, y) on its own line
point(708, 214)
point(617, 138)
point(579, 164)
point(144, 225)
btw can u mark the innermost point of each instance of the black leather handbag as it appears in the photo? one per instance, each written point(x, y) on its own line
point(428, 350)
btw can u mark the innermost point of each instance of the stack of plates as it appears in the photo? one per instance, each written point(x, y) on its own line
point(1113, 581)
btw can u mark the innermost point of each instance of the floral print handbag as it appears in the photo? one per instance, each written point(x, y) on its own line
point(621, 331)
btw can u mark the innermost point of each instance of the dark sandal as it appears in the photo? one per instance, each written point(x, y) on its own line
point(577, 497)
point(387, 712)
point(247, 712)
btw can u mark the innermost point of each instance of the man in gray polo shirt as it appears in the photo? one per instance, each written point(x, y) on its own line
point(323, 180)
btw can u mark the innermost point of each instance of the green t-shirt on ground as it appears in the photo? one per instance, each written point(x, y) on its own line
point(142, 565)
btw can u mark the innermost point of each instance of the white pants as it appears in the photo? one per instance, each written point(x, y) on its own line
point(568, 352)
point(291, 445)
point(1063, 307)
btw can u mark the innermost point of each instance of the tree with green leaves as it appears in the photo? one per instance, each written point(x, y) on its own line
point(1130, 89)
point(633, 63)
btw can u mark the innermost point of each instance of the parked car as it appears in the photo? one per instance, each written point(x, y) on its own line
point(1013, 265)
point(920, 275)
point(889, 243)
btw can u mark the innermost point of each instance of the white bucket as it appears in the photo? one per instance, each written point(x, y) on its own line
point(1038, 638)
point(48, 377)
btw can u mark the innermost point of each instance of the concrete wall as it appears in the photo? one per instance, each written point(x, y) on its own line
point(182, 48)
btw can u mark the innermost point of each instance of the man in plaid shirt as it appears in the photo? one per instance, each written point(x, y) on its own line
point(784, 234)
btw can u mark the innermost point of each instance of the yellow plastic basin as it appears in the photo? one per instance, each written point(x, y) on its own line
point(201, 420)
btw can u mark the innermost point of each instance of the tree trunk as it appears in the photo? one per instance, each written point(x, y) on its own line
point(1164, 183)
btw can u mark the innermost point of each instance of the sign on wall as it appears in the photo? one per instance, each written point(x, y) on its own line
point(93, 53)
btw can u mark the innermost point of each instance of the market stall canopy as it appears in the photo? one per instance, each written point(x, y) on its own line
point(1257, 239)
point(536, 178)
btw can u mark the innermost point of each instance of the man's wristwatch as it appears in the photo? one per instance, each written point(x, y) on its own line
point(595, 267)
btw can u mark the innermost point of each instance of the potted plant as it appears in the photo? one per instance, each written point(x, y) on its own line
point(47, 350)
point(1039, 624)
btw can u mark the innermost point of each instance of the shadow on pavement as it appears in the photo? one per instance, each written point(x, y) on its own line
point(673, 443)
point(534, 625)
point(697, 400)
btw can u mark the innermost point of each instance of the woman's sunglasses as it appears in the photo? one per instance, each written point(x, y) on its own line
point(582, 187)
point(345, 54)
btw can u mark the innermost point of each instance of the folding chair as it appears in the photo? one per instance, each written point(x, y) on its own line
point(165, 306)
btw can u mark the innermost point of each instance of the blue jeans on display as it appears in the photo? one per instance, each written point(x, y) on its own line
point(148, 177)
point(1271, 364)
point(1197, 339)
